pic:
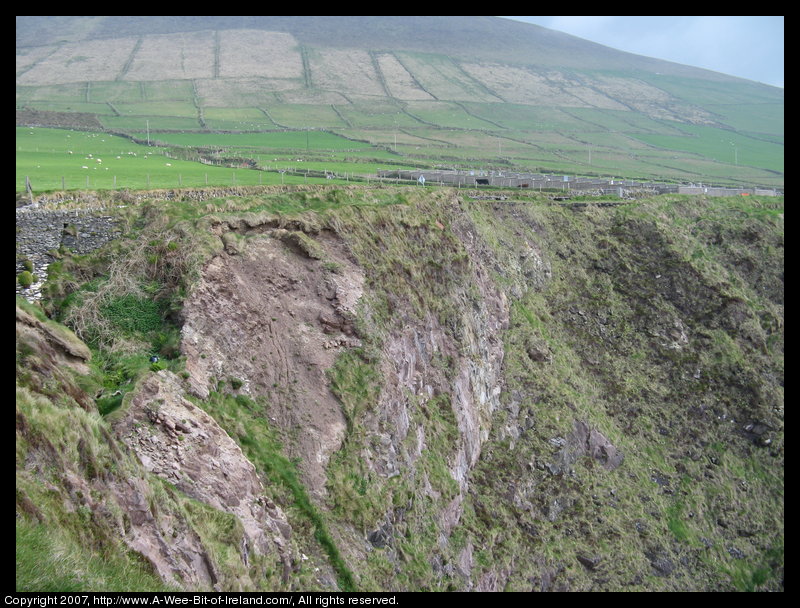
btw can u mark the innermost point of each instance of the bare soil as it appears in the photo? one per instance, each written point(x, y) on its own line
point(267, 320)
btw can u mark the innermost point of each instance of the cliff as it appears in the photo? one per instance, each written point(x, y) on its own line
point(410, 389)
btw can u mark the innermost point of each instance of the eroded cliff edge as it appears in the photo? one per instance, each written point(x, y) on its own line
point(456, 394)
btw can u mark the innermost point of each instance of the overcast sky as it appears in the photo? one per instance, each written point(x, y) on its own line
point(748, 47)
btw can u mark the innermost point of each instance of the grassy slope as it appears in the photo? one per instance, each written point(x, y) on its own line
point(698, 502)
point(694, 491)
point(662, 326)
point(459, 103)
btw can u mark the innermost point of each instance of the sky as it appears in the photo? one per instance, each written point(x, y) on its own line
point(748, 47)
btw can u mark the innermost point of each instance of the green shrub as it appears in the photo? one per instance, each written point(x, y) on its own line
point(167, 342)
point(133, 314)
point(26, 278)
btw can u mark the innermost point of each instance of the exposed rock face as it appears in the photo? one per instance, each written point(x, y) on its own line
point(586, 441)
point(269, 312)
point(411, 375)
point(274, 318)
point(64, 346)
point(172, 547)
point(93, 473)
point(182, 444)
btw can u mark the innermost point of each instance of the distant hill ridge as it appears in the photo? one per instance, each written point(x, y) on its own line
point(468, 91)
point(461, 37)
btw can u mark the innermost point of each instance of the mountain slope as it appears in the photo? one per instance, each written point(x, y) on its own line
point(460, 89)
point(467, 38)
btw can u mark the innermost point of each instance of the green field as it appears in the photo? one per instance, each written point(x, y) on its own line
point(721, 145)
point(358, 137)
point(295, 140)
point(55, 159)
point(602, 117)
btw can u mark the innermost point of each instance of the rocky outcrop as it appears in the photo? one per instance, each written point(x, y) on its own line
point(52, 354)
point(112, 480)
point(585, 441)
point(63, 345)
point(183, 445)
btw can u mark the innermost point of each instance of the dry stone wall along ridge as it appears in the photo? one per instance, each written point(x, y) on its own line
point(41, 233)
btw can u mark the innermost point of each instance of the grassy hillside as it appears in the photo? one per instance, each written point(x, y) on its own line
point(656, 326)
point(470, 92)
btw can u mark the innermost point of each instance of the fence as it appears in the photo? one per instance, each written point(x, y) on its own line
point(244, 177)
point(564, 183)
point(293, 175)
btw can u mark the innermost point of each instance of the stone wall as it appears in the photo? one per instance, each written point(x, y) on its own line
point(42, 233)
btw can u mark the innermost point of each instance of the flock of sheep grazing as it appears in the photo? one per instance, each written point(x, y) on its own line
point(99, 161)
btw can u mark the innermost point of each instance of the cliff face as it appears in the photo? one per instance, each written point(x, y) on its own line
point(452, 394)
